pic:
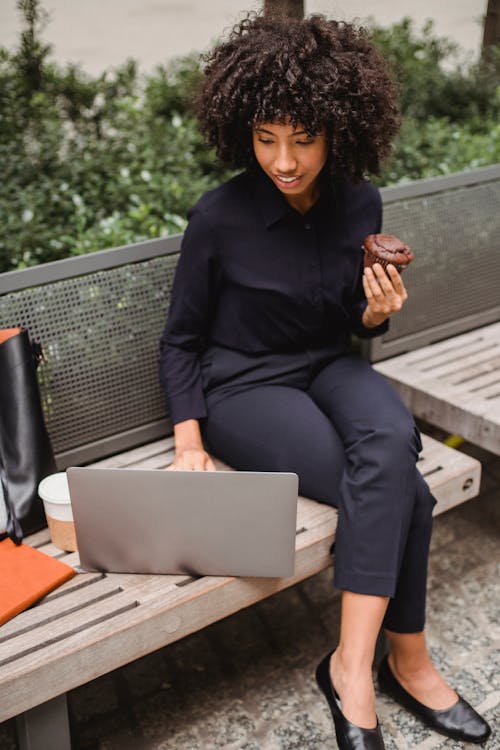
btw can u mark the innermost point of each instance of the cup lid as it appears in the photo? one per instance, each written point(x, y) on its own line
point(54, 488)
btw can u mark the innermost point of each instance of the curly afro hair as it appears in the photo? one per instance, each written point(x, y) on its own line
point(324, 74)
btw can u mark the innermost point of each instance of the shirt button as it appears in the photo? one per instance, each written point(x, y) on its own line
point(307, 226)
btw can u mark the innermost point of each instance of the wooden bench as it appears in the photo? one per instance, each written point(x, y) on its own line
point(454, 384)
point(99, 318)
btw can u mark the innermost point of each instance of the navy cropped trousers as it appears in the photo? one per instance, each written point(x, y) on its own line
point(340, 426)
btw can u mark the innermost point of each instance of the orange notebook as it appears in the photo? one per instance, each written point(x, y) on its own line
point(26, 574)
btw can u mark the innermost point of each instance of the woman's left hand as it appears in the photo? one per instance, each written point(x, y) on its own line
point(385, 293)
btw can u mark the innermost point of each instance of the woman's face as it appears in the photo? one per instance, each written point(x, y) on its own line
point(292, 159)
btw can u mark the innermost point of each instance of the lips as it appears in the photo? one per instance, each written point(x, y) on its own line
point(287, 182)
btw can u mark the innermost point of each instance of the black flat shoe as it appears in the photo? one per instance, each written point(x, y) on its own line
point(460, 721)
point(349, 736)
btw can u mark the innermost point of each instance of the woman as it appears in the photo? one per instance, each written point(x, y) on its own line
point(255, 354)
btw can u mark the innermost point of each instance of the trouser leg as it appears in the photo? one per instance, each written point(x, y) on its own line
point(385, 508)
point(356, 422)
point(277, 428)
point(406, 610)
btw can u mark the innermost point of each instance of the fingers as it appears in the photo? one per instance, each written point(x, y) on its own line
point(397, 281)
point(192, 460)
point(373, 289)
point(367, 287)
point(210, 466)
point(383, 279)
point(384, 290)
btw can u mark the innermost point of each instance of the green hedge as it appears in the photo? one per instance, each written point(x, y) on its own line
point(94, 162)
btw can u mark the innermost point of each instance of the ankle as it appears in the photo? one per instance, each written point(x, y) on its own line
point(409, 666)
point(408, 652)
point(352, 662)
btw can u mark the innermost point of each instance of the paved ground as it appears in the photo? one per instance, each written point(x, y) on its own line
point(246, 683)
point(102, 34)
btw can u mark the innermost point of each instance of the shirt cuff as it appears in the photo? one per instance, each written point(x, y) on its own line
point(187, 406)
point(361, 330)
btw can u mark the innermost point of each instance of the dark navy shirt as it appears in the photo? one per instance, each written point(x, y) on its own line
point(257, 276)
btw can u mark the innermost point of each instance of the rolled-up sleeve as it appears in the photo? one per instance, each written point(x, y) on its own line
point(193, 301)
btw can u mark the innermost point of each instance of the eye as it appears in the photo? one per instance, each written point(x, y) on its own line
point(305, 143)
point(265, 140)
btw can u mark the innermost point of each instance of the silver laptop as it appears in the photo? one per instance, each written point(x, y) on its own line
point(190, 522)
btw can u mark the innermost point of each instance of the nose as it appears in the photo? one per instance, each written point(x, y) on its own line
point(285, 162)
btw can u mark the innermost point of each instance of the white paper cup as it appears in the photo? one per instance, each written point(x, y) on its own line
point(54, 492)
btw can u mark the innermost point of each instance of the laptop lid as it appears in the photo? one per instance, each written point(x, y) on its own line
point(188, 522)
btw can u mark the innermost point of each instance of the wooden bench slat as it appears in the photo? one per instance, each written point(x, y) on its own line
point(449, 347)
point(491, 392)
point(137, 455)
point(102, 586)
point(483, 381)
point(102, 614)
point(466, 364)
point(310, 512)
point(470, 375)
point(470, 380)
point(450, 396)
point(473, 352)
point(53, 551)
point(40, 538)
point(160, 461)
point(44, 611)
point(81, 581)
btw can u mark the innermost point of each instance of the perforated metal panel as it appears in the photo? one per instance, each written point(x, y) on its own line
point(100, 334)
point(454, 282)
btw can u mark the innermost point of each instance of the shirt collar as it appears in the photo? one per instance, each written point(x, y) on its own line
point(272, 203)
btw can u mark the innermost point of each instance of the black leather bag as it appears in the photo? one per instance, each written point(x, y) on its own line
point(25, 452)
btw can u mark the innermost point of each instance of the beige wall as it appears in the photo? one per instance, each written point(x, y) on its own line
point(102, 33)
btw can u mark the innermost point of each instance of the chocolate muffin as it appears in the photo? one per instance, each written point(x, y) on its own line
point(385, 249)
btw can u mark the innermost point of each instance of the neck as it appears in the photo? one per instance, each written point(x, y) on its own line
point(303, 202)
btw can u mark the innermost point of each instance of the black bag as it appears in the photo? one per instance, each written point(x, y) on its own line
point(25, 452)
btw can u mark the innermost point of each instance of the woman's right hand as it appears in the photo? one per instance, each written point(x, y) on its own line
point(189, 452)
point(192, 459)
